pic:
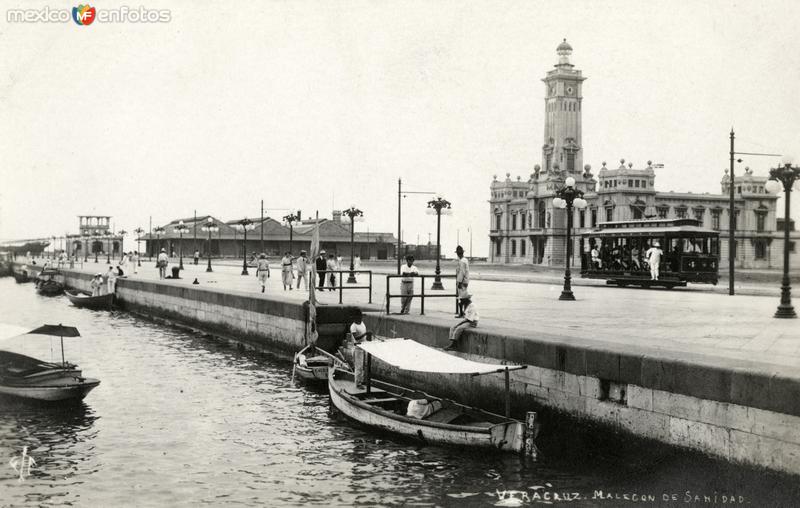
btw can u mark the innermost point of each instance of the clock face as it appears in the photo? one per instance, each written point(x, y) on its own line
point(569, 90)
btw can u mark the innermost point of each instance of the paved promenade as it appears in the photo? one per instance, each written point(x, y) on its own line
point(732, 332)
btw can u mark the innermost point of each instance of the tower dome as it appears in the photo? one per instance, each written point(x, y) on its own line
point(564, 50)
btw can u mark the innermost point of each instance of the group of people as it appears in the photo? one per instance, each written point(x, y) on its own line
point(102, 284)
point(626, 257)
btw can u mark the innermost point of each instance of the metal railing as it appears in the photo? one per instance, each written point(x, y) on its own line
point(421, 295)
point(342, 286)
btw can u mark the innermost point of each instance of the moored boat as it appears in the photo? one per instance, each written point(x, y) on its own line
point(418, 415)
point(29, 378)
point(21, 275)
point(310, 364)
point(49, 282)
point(80, 299)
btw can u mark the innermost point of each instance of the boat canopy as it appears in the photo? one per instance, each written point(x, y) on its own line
point(410, 355)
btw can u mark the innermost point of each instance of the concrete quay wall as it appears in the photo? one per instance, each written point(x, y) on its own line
point(743, 412)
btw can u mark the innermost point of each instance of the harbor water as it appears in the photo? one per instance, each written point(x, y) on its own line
point(184, 419)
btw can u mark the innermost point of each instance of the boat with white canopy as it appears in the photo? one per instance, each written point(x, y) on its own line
point(422, 416)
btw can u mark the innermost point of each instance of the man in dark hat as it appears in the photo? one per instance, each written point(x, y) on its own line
point(462, 280)
point(321, 264)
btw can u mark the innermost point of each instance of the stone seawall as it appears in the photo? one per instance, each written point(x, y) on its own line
point(744, 412)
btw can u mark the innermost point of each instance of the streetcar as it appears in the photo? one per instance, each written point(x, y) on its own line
point(616, 251)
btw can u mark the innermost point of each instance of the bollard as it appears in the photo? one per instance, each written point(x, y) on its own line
point(531, 431)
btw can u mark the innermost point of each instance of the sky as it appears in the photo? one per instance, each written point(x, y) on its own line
point(322, 105)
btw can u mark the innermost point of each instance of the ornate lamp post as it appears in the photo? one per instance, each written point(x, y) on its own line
point(181, 228)
point(87, 235)
point(121, 234)
point(97, 234)
point(438, 206)
point(786, 175)
point(210, 227)
point(158, 231)
point(352, 212)
point(109, 235)
point(289, 219)
point(568, 197)
point(138, 232)
point(244, 226)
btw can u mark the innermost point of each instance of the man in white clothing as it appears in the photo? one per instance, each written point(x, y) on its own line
point(653, 256)
point(462, 280)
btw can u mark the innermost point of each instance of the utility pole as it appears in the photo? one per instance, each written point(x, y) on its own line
point(262, 226)
point(399, 215)
point(732, 212)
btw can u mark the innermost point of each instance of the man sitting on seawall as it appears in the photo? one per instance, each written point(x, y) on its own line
point(470, 320)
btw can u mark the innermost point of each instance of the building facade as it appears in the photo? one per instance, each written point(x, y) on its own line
point(525, 227)
point(278, 238)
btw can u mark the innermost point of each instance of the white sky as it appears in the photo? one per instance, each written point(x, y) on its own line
point(308, 103)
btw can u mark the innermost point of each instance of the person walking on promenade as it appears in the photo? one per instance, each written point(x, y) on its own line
point(653, 256)
point(470, 321)
point(135, 261)
point(262, 270)
point(111, 280)
point(96, 284)
point(321, 265)
point(302, 269)
point(462, 280)
point(332, 266)
point(196, 256)
point(408, 272)
point(123, 265)
point(161, 262)
point(287, 274)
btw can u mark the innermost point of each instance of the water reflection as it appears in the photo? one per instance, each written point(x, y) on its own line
point(181, 419)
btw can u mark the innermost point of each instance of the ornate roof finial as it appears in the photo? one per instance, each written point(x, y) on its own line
point(630, 165)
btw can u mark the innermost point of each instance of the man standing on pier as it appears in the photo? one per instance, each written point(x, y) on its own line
point(262, 270)
point(322, 265)
point(162, 261)
point(302, 269)
point(287, 274)
point(462, 281)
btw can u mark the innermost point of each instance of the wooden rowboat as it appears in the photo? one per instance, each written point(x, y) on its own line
point(312, 366)
point(90, 302)
point(418, 415)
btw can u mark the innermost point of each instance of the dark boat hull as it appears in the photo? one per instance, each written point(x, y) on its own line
point(76, 390)
point(50, 288)
point(21, 277)
point(91, 302)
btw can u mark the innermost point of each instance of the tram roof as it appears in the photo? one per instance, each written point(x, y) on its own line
point(651, 231)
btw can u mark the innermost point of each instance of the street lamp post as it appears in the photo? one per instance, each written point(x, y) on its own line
point(87, 235)
point(210, 227)
point(122, 234)
point(109, 236)
point(181, 228)
point(352, 212)
point(437, 206)
point(568, 197)
point(158, 231)
point(244, 226)
point(786, 175)
point(289, 219)
point(138, 232)
point(97, 234)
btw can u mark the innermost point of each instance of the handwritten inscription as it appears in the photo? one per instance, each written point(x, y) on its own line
point(22, 463)
point(546, 494)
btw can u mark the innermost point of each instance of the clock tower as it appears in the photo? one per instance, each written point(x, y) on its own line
point(562, 126)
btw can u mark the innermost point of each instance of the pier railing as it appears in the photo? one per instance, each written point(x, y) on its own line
point(436, 293)
point(342, 286)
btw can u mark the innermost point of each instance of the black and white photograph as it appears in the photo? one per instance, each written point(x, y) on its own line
point(380, 253)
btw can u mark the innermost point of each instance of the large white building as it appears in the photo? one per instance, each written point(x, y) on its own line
point(527, 228)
